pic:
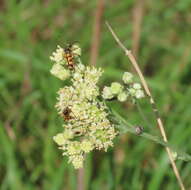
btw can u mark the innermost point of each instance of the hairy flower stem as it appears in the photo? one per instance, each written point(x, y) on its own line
point(152, 102)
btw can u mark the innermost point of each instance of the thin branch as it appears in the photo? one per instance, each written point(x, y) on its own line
point(154, 108)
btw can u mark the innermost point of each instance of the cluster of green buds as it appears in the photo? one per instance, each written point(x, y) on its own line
point(121, 92)
point(86, 126)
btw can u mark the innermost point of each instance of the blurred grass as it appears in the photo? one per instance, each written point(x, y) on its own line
point(30, 31)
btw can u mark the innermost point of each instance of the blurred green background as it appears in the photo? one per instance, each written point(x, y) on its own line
point(159, 34)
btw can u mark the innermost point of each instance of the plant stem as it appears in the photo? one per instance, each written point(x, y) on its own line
point(142, 114)
point(80, 179)
point(152, 102)
point(124, 127)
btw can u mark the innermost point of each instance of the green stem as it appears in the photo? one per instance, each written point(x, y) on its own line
point(125, 127)
point(145, 119)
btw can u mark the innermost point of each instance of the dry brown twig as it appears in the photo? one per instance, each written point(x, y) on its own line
point(152, 102)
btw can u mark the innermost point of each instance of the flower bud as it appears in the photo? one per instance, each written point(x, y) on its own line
point(139, 94)
point(116, 88)
point(122, 97)
point(59, 139)
point(107, 93)
point(60, 72)
point(137, 86)
point(132, 91)
point(127, 78)
point(68, 134)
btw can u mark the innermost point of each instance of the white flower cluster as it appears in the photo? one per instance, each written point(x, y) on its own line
point(122, 92)
point(87, 126)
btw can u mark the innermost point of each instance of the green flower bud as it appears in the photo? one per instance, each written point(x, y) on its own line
point(60, 72)
point(137, 86)
point(107, 93)
point(59, 139)
point(122, 97)
point(68, 134)
point(116, 88)
point(127, 78)
point(132, 91)
point(139, 94)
